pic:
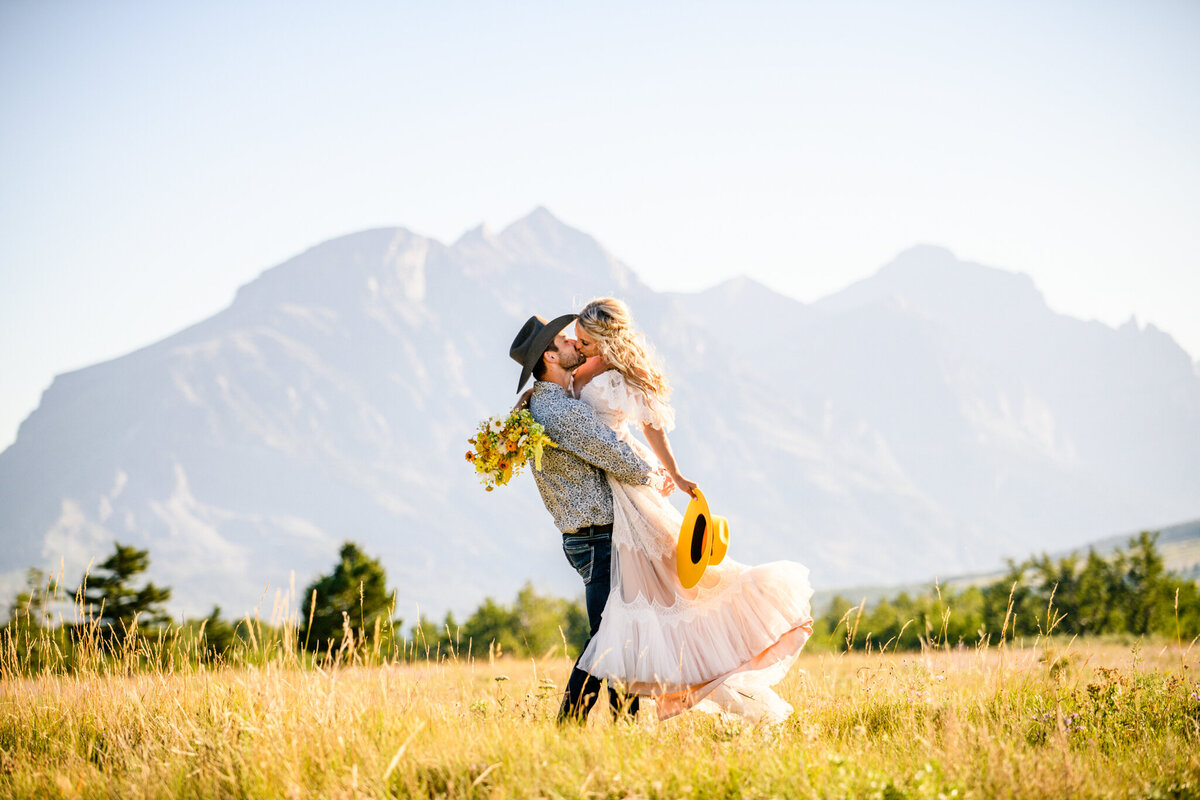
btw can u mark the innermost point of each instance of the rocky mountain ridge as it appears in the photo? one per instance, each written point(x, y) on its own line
point(933, 418)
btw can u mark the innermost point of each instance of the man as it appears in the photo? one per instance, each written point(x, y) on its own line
point(573, 480)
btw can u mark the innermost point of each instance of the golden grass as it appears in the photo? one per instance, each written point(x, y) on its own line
point(1088, 719)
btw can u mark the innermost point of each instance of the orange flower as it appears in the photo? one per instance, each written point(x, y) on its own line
point(503, 447)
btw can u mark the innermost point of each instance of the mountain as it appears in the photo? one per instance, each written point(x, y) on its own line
point(935, 417)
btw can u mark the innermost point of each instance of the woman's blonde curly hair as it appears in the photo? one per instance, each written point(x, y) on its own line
point(609, 321)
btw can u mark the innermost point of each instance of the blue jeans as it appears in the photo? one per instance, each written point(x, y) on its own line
point(591, 556)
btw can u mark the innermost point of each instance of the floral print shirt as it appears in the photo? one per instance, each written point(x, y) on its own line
point(573, 480)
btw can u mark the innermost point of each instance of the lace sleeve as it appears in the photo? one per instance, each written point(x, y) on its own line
point(633, 404)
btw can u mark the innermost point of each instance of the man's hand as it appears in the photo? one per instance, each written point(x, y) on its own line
point(523, 401)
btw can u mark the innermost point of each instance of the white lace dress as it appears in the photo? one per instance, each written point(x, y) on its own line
point(727, 640)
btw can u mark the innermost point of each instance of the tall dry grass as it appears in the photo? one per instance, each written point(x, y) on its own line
point(1046, 718)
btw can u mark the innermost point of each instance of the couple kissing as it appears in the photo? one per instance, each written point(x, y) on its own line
point(717, 646)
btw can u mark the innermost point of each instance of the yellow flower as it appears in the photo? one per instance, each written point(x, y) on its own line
point(502, 446)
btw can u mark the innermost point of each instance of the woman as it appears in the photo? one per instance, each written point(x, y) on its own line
point(729, 638)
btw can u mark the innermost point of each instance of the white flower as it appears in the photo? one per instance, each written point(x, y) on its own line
point(496, 425)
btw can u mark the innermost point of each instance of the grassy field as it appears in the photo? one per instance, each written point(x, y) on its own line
point(1054, 720)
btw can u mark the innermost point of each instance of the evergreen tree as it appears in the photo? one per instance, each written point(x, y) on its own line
point(29, 608)
point(427, 639)
point(109, 598)
point(1128, 591)
point(1147, 599)
point(29, 635)
point(1094, 607)
point(578, 628)
point(1060, 588)
point(534, 625)
point(542, 620)
point(1005, 602)
point(492, 625)
point(1119, 590)
point(354, 595)
point(1185, 622)
point(219, 635)
point(829, 623)
point(967, 621)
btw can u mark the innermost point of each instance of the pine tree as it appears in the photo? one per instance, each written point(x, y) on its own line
point(354, 595)
point(1060, 588)
point(109, 598)
point(219, 635)
point(1148, 585)
point(29, 607)
point(1095, 600)
point(542, 620)
point(492, 625)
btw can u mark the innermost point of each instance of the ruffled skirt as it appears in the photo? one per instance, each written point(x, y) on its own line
point(727, 640)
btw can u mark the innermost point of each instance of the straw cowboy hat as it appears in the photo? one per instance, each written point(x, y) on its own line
point(533, 339)
point(703, 540)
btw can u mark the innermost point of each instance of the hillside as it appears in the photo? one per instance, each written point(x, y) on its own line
point(1179, 546)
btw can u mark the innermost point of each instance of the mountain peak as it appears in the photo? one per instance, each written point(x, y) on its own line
point(928, 261)
point(540, 221)
point(480, 233)
point(743, 286)
point(341, 266)
point(926, 253)
point(542, 213)
point(542, 238)
point(934, 279)
point(741, 303)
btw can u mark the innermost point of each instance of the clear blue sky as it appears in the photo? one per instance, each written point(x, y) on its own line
point(155, 156)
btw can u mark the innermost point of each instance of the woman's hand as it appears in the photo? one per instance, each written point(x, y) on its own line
point(662, 481)
point(688, 487)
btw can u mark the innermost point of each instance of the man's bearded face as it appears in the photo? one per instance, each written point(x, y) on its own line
point(569, 357)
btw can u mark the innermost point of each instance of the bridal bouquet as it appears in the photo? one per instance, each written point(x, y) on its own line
point(504, 445)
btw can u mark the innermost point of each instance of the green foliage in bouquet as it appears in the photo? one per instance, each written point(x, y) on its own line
point(503, 446)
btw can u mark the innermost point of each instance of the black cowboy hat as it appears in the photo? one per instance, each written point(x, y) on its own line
point(535, 336)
